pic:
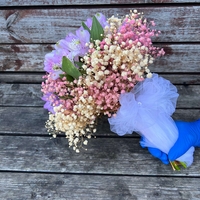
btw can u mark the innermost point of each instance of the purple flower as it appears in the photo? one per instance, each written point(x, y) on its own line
point(56, 74)
point(83, 36)
point(53, 62)
point(102, 19)
point(46, 96)
point(72, 42)
point(89, 23)
point(48, 105)
point(75, 44)
point(49, 61)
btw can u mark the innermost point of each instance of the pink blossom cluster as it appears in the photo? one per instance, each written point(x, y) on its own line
point(54, 90)
point(107, 96)
point(138, 30)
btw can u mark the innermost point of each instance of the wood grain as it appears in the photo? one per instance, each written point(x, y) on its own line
point(178, 58)
point(31, 120)
point(22, 120)
point(183, 79)
point(76, 187)
point(122, 156)
point(30, 95)
point(14, 77)
point(177, 24)
point(21, 94)
point(31, 78)
point(85, 2)
point(23, 57)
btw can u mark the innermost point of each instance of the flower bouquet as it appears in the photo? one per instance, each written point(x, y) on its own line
point(89, 72)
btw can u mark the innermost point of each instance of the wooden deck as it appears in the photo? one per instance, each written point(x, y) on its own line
point(33, 166)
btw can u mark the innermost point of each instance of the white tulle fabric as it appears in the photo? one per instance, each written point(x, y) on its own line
point(147, 110)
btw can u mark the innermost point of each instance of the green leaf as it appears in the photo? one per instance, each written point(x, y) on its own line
point(184, 164)
point(68, 77)
point(69, 68)
point(79, 64)
point(82, 71)
point(85, 27)
point(96, 32)
point(177, 167)
point(62, 75)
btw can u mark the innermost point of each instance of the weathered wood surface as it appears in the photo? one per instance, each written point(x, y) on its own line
point(30, 95)
point(21, 186)
point(25, 120)
point(183, 79)
point(13, 77)
point(178, 58)
point(33, 166)
point(31, 120)
point(122, 156)
point(23, 57)
point(21, 94)
point(177, 24)
point(86, 2)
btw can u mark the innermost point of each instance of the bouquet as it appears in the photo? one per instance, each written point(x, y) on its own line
point(92, 70)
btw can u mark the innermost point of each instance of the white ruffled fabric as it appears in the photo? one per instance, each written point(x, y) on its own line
point(147, 110)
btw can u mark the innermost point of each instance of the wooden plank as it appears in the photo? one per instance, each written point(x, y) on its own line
point(184, 79)
point(31, 78)
point(23, 57)
point(186, 114)
point(14, 77)
point(122, 156)
point(50, 25)
point(76, 187)
point(86, 2)
point(178, 58)
point(31, 120)
point(30, 95)
point(188, 96)
point(21, 95)
point(21, 120)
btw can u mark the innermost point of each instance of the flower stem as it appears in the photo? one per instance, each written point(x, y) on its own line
point(176, 165)
point(172, 165)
